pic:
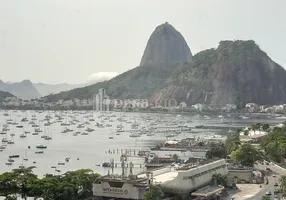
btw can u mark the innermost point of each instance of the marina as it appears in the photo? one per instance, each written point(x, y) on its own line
point(47, 138)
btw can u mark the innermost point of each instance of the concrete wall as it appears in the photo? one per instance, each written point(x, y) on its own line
point(236, 176)
point(188, 180)
point(126, 191)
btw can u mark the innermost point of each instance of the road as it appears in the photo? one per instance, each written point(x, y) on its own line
point(273, 178)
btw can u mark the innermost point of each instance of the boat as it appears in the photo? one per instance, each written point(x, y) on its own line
point(23, 135)
point(80, 126)
point(89, 129)
point(14, 156)
point(10, 142)
point(61, 163)
point(119, 130)
point(134, 135)
point(4, 140)
point(84, 133)
point(11, 160)
point(111, 137)
point(39, 152)
point(47, 124)
point(48, 137)
point(150, 134)
point(66, 130)
point(8, 163)
point(170, 135)
point(38, 130)
point(41, 146)
point(19, 126)
point(24, 120)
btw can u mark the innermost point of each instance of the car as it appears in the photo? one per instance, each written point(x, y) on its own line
point(276, 184)
point(268, 193)
point(276, 192)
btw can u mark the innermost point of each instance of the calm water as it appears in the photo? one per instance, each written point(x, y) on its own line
point(92, 149)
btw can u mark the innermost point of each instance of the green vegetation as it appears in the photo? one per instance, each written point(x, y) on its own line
point(73, 185)
point(266, 197)
point(232, 141)
point(154, 193)
point(217, 150)
point(3, 95)
point(246, 155)
point(214, 76)
point(282, 182)
point(218, 179)
point(274, 144)
point(138, 83)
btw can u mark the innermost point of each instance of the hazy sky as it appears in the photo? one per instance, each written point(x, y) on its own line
point(56, 41)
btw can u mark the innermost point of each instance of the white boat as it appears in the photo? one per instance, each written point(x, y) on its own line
point(119, 130)
point(134, 135)
point(89, 129)
point(150, 134)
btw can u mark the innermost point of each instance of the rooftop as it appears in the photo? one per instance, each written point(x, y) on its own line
point(207, 191)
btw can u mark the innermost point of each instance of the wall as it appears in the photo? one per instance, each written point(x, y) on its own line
point(188, 180)
point(127, 191)
point(240, 174)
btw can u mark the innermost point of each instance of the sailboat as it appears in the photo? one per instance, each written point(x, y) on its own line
point(47, 134)
point(25, 158)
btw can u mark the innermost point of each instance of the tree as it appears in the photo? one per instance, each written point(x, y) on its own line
point(154, 193)
point(24, 177)
point(8, 184)
point(265, 127)
point(266, 197)
point(246, 132)
point(246, 154)
point(274, 144)
point(232, 142)
point(83, 180)
point(282, 181)
point(217, 150)
point(176, 157)
point(218, 179)
point(73, 185)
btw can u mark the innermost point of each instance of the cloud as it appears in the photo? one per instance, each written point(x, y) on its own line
point(101, 76)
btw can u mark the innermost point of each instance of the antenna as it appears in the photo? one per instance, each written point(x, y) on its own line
point(112, 166)
point(131, 168)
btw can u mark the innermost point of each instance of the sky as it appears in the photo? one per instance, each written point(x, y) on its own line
point(55, 41)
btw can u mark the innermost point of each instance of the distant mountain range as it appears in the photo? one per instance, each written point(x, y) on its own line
point(3, 95)
point(236, 72)
point(24, 89)
point(28, 90)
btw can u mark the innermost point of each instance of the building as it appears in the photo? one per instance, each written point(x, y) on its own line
point(177, 181)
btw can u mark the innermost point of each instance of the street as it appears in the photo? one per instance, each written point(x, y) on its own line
point(253, 192)
point(273, 178)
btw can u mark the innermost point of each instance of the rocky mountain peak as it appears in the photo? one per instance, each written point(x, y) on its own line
point(166, 46)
